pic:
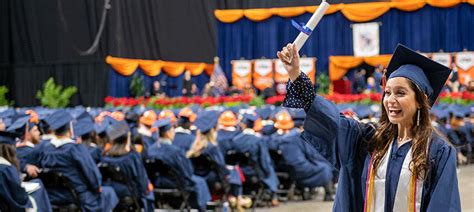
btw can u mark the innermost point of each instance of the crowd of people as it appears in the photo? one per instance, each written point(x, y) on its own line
point(243, 155)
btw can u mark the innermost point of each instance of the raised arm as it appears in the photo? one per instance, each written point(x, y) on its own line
point(337, 138)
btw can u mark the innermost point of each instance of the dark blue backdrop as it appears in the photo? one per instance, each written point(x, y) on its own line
point(119, 84)
point(428, 30)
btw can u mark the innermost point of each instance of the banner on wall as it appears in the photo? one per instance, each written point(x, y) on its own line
point(442, 58)
point(241, 73)
point(308, 66)
point(365, 39)
point(263, 74)
point(281, 77)
point(465, 64)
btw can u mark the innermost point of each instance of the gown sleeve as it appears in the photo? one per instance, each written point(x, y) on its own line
point(444, 191)
point(337, 138)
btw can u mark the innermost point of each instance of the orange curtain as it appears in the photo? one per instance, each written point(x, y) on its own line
point(378, 60)
point(151, 67)
point(127, 67)
point(258, 14)
point(209, 69)
point(408, 6)
point(339, 65)
point(195, 68)
point(229, 16)
point(363, 12)
point(288, 11)
point(356, 12)
point(443, 3)
point(123, 66)
point(174, 69)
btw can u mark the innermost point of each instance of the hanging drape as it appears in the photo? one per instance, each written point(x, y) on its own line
point(339, 65)
point(358, 12)
point(428, 29)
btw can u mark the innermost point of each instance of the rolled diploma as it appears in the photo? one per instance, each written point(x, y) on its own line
point(313, 21)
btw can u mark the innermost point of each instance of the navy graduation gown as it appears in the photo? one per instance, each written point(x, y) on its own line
point(132, 167)
point(175, 158)
point(183, 140)
point(224, 139)
point(342, 142)
point(11, 192)
point(307, 166)
point(96, 153)
point(15, 197)
point(75, 162)
point(248, 143)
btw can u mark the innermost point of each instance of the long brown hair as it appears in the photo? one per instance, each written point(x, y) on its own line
point(8, 152)
point(118, 147)
point(387, 131)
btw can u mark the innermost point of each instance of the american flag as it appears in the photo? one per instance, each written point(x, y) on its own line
point(218, 77)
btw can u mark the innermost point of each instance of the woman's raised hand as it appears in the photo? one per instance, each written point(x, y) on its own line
point(291, 60)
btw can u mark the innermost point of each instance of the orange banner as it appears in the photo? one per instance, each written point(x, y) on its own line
point(263, 73)
point(281, 75)
point(241, 73)
point(465, 65)
point(308, 66)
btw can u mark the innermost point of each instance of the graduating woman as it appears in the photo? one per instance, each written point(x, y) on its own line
point(402, 165)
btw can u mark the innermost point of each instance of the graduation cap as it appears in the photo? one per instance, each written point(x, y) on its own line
point(83, 126)
point(8, 137)
point(58, 119)
point(19, 123)
point(427, 74)
point(117, 129)
point(441, 114)
point(10, 112)
point(163, 124)
point(206, 120)
point(298, 116)
point(265, 112)
point(249, 118)
point(101, 127)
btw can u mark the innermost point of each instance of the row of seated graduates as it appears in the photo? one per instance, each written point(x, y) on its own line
point(455, 123)
point(256, 164)
point(227, 128)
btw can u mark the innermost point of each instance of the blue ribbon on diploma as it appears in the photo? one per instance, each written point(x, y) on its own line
point(301, 27)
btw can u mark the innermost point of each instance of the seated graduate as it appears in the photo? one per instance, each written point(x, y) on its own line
point(184, 138)
point(400, 165)
point(174, 157)
point(249, 142)
point(208, 146)
point(461, 130)
point(144, 127)
point(62, 154)
point(14, 194)
point(25, 126)
point(123, 155)
point(84, 132)
point(227, 130)
point(307, 167)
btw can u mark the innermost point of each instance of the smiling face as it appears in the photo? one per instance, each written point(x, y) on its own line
point(400, 101)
